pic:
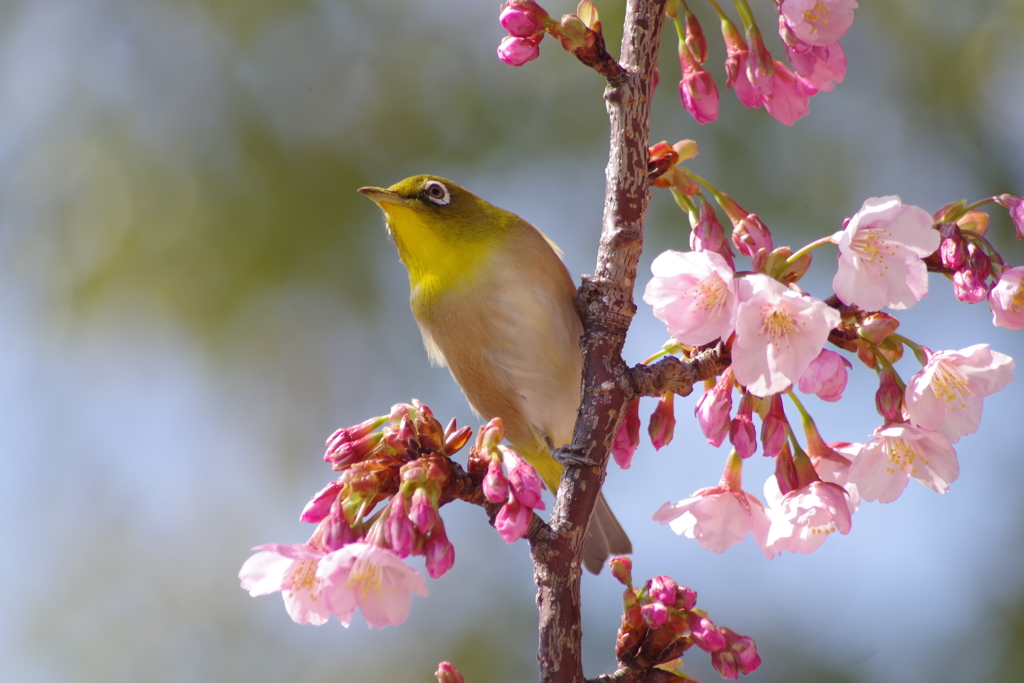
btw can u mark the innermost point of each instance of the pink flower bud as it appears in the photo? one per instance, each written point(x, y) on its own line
point(399, 528)
point(1016, 207)
point(744, 650)
point(826, 376)
point(663, 422)
point(628, 437)
point(712, 410)
point(654, 614)
point(495, 484)
point(523, 19)
point(334, 532)
point(750, 235)
point(704, 633)
point(422, 511)
point(513, 520)
point(663, 589)
point(697, 90)
point(491, 434)
point(440, 553)
point(622, 569)
point(760, 65)
point(889, 397)
point(695, 40)
point(685, 598)
point(318, 507)
point(518, 51)
point(979, 260)
point(968, 286)
point(345, 453)
point(742, 434)
point(523, 480)
point(446, 673)
point(774, 428)
point(953, 250)
point(709, 235)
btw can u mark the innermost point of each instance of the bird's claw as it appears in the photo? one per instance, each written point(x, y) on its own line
point(573, 455)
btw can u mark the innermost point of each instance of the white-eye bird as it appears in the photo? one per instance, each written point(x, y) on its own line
point(496, 305)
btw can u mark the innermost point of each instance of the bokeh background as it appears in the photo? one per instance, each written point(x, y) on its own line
point(193, 297)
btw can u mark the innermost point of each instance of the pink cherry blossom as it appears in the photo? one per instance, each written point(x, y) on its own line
point(789, 96)
point(718, 518)
point(654, 614)
point(818, 22)
point(694, 294)
point(774, 427)
point(1007, 299)
point(742, 434)
point(779, 332)
point(447, 673)
point(820, 66)
point(833, 465)
point(802, 519)
point(372, 579)
point(713, 408)
point(495, 485)
point(291, 569)
point(880, 252)
point(826, 376)
point(738, 655)
point(518, 51)
point(885, 464)
point(946, 395)
point(320, 505)
point(440, 553)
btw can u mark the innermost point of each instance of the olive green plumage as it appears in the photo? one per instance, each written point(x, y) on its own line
point(496, 305)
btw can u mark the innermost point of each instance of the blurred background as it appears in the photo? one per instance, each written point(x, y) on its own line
point(194, 297)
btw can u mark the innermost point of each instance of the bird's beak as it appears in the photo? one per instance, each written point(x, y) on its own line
point(382, 196)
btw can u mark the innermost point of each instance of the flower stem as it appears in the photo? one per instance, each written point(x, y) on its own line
point(808, 248)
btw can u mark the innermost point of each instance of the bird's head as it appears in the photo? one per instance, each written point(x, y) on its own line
point(443, 232)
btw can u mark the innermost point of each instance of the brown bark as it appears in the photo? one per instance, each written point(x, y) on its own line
point(606, 302)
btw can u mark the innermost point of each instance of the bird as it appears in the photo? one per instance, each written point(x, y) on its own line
point(496, 305)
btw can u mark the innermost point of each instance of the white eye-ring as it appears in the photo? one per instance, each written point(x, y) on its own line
point(436, 192)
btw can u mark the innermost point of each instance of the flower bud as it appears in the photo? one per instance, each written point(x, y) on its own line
point(663, 589)
point(697, 90)
point(709, 235)
point(454, 441)
point(446, 673)
point(495, 485)
point(523, 18)
point(742, 434)
point(975, 221)
point(628, 437)
point(695, 40)
point(513, 520)
point(491, 434)
point(705, 634)
point(622, 569)
point(712, 410)
point(320, 505)
point(774, 428)
point(440, 553)
point(889, 397)
point(686, 599)
point(968, 286)
point(663, 422)
point(826, 376)
point(518, 51)
point(654, 613)
point(877, 326)
point(399, 528)
point(346, 453)
point(750, 235)
point(423, 510)
point(523, 480)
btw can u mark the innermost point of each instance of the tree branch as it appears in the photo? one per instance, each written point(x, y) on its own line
point(606, 303)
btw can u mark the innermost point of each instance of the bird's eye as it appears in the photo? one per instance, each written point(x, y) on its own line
point(436, 192)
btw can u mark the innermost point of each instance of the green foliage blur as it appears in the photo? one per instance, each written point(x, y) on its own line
point(189, 167)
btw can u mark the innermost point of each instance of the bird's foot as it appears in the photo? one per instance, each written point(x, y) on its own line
point(573, 455)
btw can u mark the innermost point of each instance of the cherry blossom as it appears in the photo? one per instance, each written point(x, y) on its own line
point(885, 464)
point(802, 519)
point(779, 331)
point(718, 518)
point(821, 66)
point(627, 439)
point(291, 569)
point(880, 252)
point(788, 98)
point(1007, 299)
point(372, 579)
point(826, 376)
point(694, 294)
point(946, 395)
point(833, 465)
point(523, 19)
point(663, 422)
point(818, 22)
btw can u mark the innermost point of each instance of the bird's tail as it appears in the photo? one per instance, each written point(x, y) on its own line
point(606, 538)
